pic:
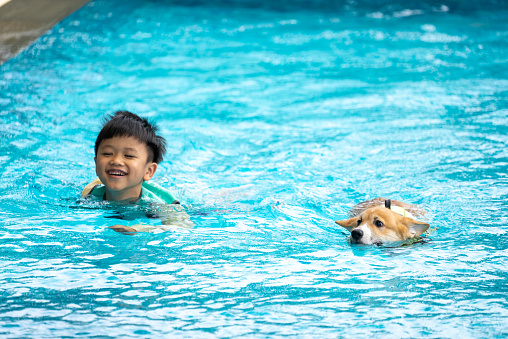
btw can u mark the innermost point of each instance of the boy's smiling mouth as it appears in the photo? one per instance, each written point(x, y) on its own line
point(116, 173)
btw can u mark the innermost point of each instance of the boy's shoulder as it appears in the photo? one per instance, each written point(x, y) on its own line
point(151, 193)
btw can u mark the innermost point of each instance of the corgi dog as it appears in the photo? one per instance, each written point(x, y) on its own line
point(381, 220)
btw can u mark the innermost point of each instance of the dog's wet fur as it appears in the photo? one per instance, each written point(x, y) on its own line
point(372, 222)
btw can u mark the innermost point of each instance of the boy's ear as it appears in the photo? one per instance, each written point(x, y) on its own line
point(349, 224)
point(416, 228)
point(150, 171)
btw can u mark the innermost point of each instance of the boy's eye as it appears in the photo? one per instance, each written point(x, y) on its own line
point(128, 156)
point(106, 154)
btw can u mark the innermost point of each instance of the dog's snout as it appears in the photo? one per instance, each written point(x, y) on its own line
point(357, 234)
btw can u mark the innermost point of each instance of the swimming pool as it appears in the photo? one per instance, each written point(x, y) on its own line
point(279, 117)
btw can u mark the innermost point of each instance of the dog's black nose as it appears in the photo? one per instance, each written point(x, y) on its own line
point(356, 234)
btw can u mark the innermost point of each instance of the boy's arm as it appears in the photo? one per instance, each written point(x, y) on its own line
point(175, 215)
point(170, 215)
point(136, 228)
point(89, 188)
point(123, 229)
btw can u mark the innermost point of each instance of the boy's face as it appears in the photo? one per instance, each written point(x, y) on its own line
point(121, 164)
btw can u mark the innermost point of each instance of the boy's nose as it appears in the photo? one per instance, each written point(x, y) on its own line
point(116, 160)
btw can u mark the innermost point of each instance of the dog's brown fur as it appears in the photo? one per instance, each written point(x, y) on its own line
point(372, 223)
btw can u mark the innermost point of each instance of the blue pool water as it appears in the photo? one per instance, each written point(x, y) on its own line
point(280, 116)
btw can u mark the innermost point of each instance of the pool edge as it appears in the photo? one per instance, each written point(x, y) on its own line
point(24, 21)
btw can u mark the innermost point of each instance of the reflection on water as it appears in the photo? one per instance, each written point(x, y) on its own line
point(280, 118)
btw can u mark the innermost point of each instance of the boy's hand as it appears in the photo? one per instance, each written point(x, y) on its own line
point(123, 229)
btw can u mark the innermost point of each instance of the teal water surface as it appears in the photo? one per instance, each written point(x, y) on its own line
point(280, 116)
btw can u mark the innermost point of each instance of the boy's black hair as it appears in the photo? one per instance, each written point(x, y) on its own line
point(127, 124)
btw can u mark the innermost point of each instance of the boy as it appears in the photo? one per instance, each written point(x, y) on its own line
point(127, 151)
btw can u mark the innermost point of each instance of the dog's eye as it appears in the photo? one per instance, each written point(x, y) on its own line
point(359, 222)
point(379, 223)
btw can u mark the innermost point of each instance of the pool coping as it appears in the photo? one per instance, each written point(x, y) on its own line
point(24, 21)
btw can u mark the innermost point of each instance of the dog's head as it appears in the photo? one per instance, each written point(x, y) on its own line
point(378, 225)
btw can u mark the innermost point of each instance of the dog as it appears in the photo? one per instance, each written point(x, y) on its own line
point(381, 221)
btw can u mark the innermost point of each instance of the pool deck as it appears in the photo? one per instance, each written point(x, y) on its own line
point(23, 21)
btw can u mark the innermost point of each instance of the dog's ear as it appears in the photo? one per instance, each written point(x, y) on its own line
point(349, 224)
point(415, 227)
